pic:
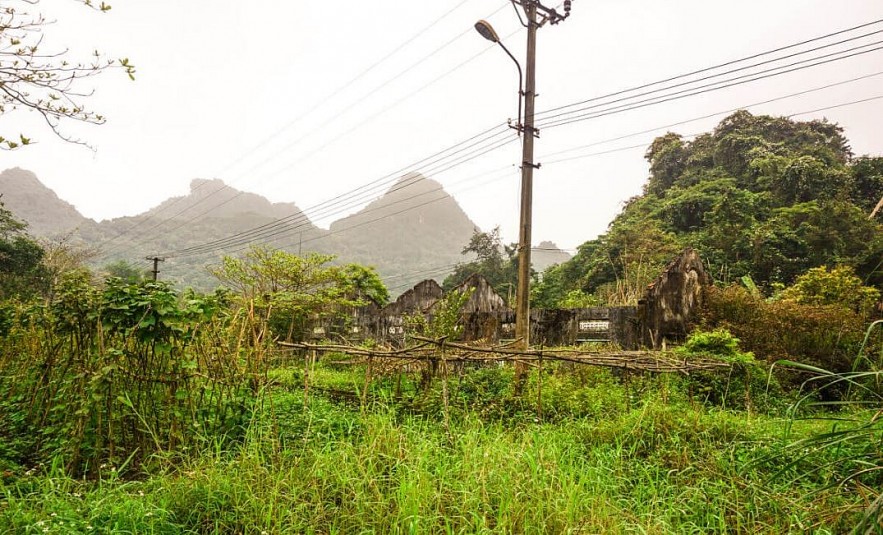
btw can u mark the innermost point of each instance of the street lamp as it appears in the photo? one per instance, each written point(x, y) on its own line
point(537, 15)
point(487, 31)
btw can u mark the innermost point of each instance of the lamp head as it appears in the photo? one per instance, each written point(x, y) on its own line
point(487, 31)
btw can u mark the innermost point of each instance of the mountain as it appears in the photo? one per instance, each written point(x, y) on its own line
point(46, 214)
point(414, 230)
point(215, 199)
point(414, 227)
point(546, 255)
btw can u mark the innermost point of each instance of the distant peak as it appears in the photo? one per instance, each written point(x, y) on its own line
point(206, 185)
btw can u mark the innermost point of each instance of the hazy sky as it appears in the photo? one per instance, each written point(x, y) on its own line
point(273, 97)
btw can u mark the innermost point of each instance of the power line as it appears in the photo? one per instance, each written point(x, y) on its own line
point(566, 118)
point(756, 78)
point(319, 149)
point(202, 249)
point(248, 238)
point(706, 89)
point(718, 66)
point(732, 81)
point(378, 184)
point(357, 196)
point(710, 115)
point(324, 101)
point(731, 71)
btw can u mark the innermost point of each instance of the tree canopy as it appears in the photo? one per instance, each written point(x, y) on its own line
point(491, 259)
point(22, 272)
point(291, 289)
point(767, 197)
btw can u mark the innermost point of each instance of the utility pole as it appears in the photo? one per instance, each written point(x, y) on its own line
point(537, 16)
point(522, 292)
point(156, 260)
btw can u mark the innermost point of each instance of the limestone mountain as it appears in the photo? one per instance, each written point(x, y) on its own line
point(215, 199)
point(546, 255)
point(411, 232)
point(46, 214)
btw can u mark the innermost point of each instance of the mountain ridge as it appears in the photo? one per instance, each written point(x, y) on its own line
point(414, 227)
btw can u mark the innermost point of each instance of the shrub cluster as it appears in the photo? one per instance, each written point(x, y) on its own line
point(828, 336)
point(100, 376)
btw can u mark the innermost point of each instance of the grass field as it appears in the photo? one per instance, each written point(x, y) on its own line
point(609, 456)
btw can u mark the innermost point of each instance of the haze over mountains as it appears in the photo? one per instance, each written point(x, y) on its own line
point(414, 231)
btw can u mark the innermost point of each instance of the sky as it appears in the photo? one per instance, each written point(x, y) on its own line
point(304, 102)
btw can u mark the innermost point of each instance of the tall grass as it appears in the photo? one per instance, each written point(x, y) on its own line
point(328, 468)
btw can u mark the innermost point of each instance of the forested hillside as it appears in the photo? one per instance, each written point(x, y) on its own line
point(760, 196)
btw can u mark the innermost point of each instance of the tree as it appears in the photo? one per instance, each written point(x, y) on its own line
point(762, 196)
point(62, 256)
point(867, 176)
point(286, 291)
point(365, 283)
point(48, 82)
point(499, 270)
point(125, 271)
point(667, 157)
point(22, 272)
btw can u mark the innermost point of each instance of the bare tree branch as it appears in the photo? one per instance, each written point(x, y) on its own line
point(47, 82)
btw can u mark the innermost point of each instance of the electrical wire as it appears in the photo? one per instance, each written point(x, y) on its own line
point(715, 114)
point(203, 250)
point(690, 92)
point(547, 117)
point(714, 67)
point(247, 239)
point(315, 151)
point(568, 118)
point(317, 106)
point(377, 185)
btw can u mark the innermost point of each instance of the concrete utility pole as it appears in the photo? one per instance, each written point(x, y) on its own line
point(156, 260)
point(522, 292)
point(537, 15)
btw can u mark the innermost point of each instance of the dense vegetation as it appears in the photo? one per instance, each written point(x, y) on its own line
point(760, 196)
point(128, 406)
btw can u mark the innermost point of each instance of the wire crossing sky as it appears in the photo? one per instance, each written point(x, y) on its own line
point(330, 109)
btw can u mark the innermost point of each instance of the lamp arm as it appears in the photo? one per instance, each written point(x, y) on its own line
point(520, 81)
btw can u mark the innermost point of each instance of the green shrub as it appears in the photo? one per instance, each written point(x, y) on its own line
point(747, 384)
point(827, 336)
point(102, 377)
point(838, 287)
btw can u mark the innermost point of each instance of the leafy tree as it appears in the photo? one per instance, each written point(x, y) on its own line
point(365, 283)
point(488, 249)
point(867, 177)
point(760, 196)
point(837, 286)
point(48, 82)
point(22, 272)
point(125, 271)
point(667, 156)
point(62, 256)
point(285, 290)
point(799, 237)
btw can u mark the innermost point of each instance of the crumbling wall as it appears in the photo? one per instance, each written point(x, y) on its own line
point(672, 301)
